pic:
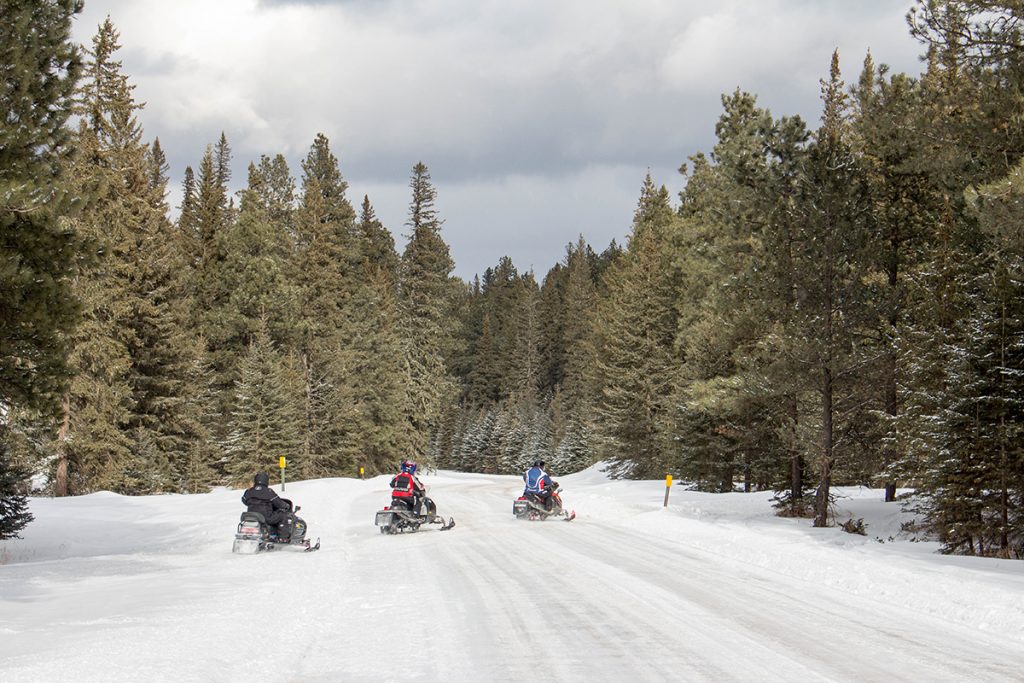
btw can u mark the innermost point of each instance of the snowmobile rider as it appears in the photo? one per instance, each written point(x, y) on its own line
point(262, 499)
point(539, 484)
point(406, 488)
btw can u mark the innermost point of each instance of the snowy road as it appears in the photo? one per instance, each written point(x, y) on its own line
point(713, 588)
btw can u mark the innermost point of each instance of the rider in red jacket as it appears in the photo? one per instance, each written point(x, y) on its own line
point(406, 489)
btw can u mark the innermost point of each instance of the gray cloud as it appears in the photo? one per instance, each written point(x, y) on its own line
point(538, 119)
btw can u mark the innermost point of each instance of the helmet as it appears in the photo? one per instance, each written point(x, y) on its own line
point(261, 479)
point(409, 466)
point(538, 463)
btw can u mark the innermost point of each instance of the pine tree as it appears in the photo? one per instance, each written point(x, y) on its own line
point(94, 444)
point(514, 438)
point(740, 401)
point(266, 421)
point(427, 300)
point(974, 483)
point(448, 439)
point(578, 385)
point(205, 225)
point(573, 453)
point(165, 416)
point(637, 328)
point(537, 445)
point(327, 268)
point(379, 432)
point(378, 244)
point(328, 259)
point(525, 359)
point(14, 514)
point(196, 466)
point(829, 266)
point(257, 251)
point(38, 252)
point(473, 440)
point(951, 431)
point(40, 66)
point(188, 222)
point(272, 185)
point(552, 325)
point(493, 452)
point(491, 334)
point(128, 416)
point(206, 214)
point(905, 201)
point(984, 34)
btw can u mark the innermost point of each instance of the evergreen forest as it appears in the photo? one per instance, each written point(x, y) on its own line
point(821, 303)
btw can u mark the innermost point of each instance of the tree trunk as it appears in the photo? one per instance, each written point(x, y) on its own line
point(726, 484)
point(307, 448)
point(827, 409)
point(890, 492)
point(796, 461)
point(60, 485)
point(821, 499)
point(1004, 498)
point(890, 408)
point(890, 370)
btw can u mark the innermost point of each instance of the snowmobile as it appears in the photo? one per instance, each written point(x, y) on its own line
point(529, 506)
point(401, 516)
point(255, 535)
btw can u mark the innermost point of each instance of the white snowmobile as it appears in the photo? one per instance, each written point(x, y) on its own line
point(255, 535)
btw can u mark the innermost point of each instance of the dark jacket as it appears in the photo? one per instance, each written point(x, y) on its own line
point(263, 500)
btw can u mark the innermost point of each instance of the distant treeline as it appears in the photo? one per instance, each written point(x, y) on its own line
point(842, 304)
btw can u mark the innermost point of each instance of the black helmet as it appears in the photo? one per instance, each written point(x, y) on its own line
point(538, 463)
point(261, 479)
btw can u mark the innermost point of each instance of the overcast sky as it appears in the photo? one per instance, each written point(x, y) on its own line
point(537, 118)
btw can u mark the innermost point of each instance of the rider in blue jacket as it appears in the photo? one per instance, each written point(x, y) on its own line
point(539, 484)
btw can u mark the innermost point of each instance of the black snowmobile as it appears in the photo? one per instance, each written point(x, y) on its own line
point(529, 506)
point(255, 535)
point(401, 516)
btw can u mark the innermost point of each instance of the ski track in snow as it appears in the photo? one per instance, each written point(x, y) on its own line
point(109, 588)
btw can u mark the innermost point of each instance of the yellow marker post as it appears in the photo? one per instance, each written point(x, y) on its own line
point(360, 472)
point(668, 487)
point(282, 463)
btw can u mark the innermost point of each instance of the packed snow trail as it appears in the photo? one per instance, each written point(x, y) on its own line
point(713, 588)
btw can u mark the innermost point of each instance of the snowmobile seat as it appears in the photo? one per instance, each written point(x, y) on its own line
point(254, 517)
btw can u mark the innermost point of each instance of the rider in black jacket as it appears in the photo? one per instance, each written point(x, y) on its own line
point(262, 499)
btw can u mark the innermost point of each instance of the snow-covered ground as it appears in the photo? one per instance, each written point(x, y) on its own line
point(714, 587)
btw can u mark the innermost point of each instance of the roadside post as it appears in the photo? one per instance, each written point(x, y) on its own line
point(668, 487)
point(360, 472)
point(284, 463)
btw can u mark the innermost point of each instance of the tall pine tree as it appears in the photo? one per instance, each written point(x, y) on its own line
point(38, 250)
point(637, 328)
point(427, 299)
